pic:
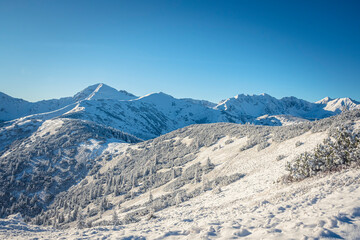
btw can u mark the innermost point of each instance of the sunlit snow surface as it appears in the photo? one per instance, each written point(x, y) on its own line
point(257, 206)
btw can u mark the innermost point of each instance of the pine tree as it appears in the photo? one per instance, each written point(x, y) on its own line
point(173, 173)
point(150, 197)
point(178, 199)
point(208, 163)
point(115, 218)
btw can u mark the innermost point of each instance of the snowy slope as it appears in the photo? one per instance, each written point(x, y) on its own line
point(278, 120)
point(11, 108)
point(202, 102)
point(47, 158)
point(194, 199)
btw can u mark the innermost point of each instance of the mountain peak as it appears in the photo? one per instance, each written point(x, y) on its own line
point(339, 104)
point(262, 95)
point(102, 91)
point(5, 97)
point(156, 97)
point(265, 95)
point(325, 100)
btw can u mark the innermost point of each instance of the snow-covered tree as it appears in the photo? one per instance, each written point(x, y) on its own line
point(342, 150)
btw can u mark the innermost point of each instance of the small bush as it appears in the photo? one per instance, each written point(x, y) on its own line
point(280, 157)
point(262, 146)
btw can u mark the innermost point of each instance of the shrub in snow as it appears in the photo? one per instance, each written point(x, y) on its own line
point(298, 144)
point(115, 219)
point(217, 190)
point(343, 150)
point(280, 157)
point(263, 145)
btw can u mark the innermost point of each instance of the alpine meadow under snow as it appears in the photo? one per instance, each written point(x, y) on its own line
point(106, 164)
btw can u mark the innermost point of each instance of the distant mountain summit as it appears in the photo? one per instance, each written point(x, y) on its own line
point(254, 106)
point(102, 91)
point(264, 104)
point(325, 100)
point(338, 105)
point(250, 106)
point(12, 108)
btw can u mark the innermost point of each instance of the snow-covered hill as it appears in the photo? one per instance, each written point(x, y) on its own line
point(211, 181)
point(48, 157)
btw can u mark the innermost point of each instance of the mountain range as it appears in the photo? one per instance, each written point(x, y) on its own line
point(155, 114)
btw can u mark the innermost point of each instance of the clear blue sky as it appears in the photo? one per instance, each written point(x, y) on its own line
point(201, 49)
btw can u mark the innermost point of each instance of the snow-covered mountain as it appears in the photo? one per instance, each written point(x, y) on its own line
point(102, 91)
point(154, 114)
point(254, 106)
point(12, 108)
point(338, 105)
point(145, 117)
